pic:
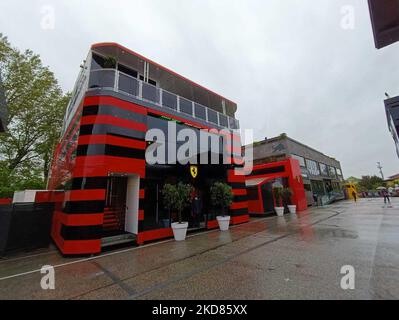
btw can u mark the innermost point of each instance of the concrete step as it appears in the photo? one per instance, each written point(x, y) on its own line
point(119, 239)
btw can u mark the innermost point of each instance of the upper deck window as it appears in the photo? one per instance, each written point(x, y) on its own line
point(99, 62)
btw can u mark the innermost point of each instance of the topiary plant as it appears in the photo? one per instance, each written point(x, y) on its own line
point(221, 196)
point(286, 196)
point(177, 197)
point(277, 194)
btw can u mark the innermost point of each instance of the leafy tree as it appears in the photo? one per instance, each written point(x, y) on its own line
point(36, 105)
point(370, 183)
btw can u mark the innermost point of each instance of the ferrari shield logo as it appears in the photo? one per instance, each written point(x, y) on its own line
point(194, 171)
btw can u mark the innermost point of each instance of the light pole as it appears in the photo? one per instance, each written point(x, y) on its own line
point(380, 167)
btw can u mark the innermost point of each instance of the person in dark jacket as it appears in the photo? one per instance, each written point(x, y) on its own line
point(385, 194)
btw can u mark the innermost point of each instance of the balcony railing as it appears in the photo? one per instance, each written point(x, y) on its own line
point(126, 84)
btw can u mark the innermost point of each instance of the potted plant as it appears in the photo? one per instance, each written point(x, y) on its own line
point(178, 197)
point(222, 197)
point(277, 194)
point(287, 194)
point(109, 62)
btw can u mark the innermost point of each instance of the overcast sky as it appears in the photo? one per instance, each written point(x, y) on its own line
point(290, 65)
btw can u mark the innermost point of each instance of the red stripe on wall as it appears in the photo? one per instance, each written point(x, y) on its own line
point(81, 246)
point(96, 100)
point(97, 166)
point(79, 195)
point(239, 205)
point(154, 235)
point(103, 119)
point(239, 219)
point(240, 192)
point(141, 215)
point(80, 219)
point(113, 140)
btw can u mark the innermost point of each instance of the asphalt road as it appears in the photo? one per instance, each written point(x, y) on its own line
point(295, 257)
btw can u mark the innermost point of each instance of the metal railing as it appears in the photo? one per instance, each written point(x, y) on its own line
point(126, 84)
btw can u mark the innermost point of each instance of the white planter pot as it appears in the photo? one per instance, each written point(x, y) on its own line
point(224, 222)
point(279, 211)
point(180, 230)
point(292, 208)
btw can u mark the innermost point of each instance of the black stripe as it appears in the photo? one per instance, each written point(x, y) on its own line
point(240, 198)
point(81, 233)
point(88, 183)
point(268, 170)
point(237, 185)
point(88, 129)
point(239, 212)
point(85, 206)
point(109, 150)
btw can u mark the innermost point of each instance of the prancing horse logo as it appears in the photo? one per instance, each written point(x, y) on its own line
point(194, 171)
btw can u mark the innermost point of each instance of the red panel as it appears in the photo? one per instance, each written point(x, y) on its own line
point(114, 102)
point(141, 194)
point(240, 192)
point(141, 215)
point(239, 205)
point(80, 219)
point(95, 166)
point(212, 224)
point(154, 235)
point(112, 140)
point(81, 246)
point(79, 195)
point(103, 119)
point(5, 201)
point(239, 219)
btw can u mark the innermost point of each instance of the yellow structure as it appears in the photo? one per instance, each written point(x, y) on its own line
point(350, 189)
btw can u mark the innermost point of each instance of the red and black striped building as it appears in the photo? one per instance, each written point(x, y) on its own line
point(111, 194)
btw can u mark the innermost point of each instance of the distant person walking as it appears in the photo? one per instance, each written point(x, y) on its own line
point(354, 195)
point(385, 194)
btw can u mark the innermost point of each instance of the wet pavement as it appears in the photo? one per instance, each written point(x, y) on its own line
point(294, 257)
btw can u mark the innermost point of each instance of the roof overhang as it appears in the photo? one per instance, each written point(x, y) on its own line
point(385, 21)
point(167, 79)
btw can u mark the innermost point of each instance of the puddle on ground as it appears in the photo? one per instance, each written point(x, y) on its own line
point(324, 233)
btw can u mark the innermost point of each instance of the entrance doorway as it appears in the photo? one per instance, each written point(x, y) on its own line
point(121, 206)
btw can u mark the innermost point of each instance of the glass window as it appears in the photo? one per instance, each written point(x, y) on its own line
point(332, 172)
point(128, 84)
point(127, 71)
point(339, 172)
point(323, 169)
point(150, 92)
point(186, 106)
point(102, 79)
point(312, 167)
point(223, 120)
point(97, 62)
point(300, 159)
point(169, 100)
point(200, 111)
point(212, 116)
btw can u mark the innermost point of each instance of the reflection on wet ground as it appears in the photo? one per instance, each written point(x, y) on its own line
point(292, 257)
